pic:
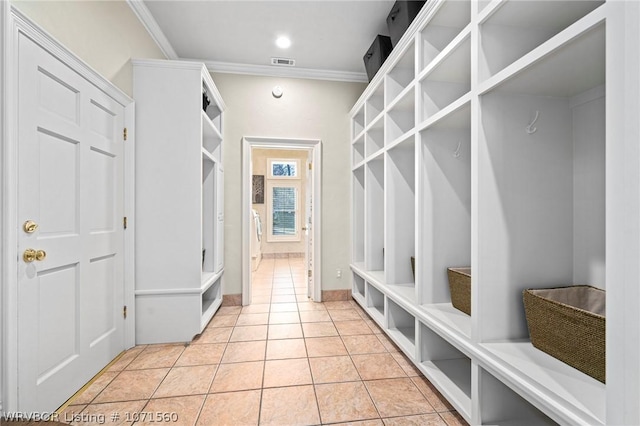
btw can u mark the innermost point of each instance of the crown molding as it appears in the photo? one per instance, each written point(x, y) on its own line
point(289, 72)
point(152, 27)
point(144, 15)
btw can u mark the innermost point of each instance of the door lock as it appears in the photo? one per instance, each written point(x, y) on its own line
point(30, 255)
point(30, 227)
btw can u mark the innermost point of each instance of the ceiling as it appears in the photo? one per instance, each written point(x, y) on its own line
point(328, 38)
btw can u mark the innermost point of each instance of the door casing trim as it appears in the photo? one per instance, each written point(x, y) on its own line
point(14, 24)
point(315, 145)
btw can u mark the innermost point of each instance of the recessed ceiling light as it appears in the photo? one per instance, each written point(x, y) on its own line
point(283, 42)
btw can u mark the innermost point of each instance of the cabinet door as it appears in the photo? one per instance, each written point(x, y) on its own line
point(219, 219)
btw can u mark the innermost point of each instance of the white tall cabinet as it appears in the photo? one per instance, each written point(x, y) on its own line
point(503, 135)
point(179, 200)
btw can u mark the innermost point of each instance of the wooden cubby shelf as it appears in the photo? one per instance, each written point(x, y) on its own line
point(501, 136)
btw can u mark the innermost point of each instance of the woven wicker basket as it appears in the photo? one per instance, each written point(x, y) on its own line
point(568, 323)
point(460, 288)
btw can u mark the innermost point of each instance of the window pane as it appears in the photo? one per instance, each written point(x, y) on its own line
point(284, 211)
point(284, 168)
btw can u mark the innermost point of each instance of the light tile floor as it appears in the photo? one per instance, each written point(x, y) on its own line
point(283, 360)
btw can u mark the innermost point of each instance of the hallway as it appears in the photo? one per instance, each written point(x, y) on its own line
point(281, 361)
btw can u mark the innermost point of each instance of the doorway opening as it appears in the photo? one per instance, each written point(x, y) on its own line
point(281, 220)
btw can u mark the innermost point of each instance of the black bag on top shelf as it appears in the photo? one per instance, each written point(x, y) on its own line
point(401, 16)
point(376, 55)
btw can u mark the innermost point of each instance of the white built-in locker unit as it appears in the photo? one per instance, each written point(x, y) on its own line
point(503, 135)
point(179, 200)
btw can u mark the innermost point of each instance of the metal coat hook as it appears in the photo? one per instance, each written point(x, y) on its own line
point(456, 153)
point(530, 129)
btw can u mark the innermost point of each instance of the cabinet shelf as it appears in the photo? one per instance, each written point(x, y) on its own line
point(208, 279)
point(401, 75)
point(358, 152)
point(447, 368)
point(448, 22)
point(550, 69)
point(401, 116)
point(357, 123)
point(402, 328)
point(374, 214)
point(374, 137)
point(374, 105)
point(516, 28)
point(211, 139)
point(582, 396)
point(358, 212)
point(375, 304)
point(449, 115)
point(400, 214)
point(499, 405)
point(448, 319)
point(447, 81)
point(211, 300)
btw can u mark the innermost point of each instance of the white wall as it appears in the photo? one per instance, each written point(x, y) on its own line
point(104, 34)
point(309, 109)
point(259, 158)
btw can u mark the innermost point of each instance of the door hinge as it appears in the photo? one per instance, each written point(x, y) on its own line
point(310, 166)
point(309, 273)
point(124, 312)
point(124, 222)
point(124, 133)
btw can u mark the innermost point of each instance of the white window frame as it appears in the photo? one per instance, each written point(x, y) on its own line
point(281, 183)
point(270, 162)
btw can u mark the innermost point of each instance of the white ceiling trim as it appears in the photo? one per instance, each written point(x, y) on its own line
point(290, 72)
point(152, 28)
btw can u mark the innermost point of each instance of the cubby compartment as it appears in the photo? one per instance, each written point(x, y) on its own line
point(211, 300)
point(357, 123)
point(358, 220)
point(375, 304)
point(374, 215)
point(402, 327)
point(211, 138)
point(400, 217)
point(358, 151)
point(448, 21)
point(213, 111)
point(541, 172)
point(375, 104)
point(447, 81)
point(518, 27)
point(583, 397)
point(374, 137)
point(208, 216)
point(445, 204)
point(501, 406)
point(447, 368)
point(401, 117)
point(401, 75)
point(358, 290)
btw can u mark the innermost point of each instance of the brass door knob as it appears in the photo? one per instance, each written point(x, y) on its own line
point(40, 255)
point(30, 227)
point(30, 255)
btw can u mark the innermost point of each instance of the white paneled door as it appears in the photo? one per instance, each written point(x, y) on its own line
point(70, 244)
